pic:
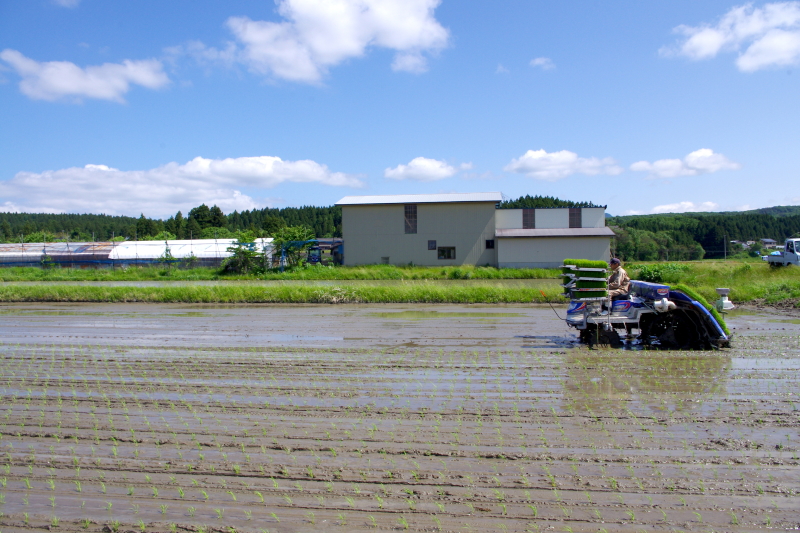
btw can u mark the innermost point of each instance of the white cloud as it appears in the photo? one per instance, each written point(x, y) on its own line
point(769, 35)
point(557, 165)
point(679, 207)
point(161, 191)
point(501, 70)
point(54, 80)
point(545, 63)
point(424, 169)
point(318, 34)
point(703, 161)
point(67, 3)
point(685, 207)
point(204, 55)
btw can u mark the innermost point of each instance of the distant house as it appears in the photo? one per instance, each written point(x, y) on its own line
point(769, 243)
point(468, 229)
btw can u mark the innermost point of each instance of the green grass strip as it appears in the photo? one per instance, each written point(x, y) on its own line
point(412, 293)
point(694, 295)
point(337, 273)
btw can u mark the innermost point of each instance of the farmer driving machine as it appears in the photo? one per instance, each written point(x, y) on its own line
point(671, 317)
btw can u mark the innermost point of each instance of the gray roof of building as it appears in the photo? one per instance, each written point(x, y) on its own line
point(555, 232)
point(422, 198)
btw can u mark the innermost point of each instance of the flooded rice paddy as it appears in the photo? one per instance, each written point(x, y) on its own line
point(387, 417)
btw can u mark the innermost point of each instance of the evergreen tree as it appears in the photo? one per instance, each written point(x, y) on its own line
point(5, 229)
point(180, 226)
point(144, 227)
point(169, 225)
point(193, 229)
point(217, 218)
point(201, 215)
point(272, 224)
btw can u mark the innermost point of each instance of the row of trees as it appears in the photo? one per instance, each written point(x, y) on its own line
point(531, 202)
point(201, 222)
point(645, 237)
point(633, 244)
point(709, 232)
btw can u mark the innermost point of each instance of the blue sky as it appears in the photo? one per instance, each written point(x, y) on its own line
point(152, 106)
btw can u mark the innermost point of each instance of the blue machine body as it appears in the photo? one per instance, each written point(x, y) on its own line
point(649, 291)
point(677, 295)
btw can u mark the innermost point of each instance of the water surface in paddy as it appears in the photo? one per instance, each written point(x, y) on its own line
point(192, 415)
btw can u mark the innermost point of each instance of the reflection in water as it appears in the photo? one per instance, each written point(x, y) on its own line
point(659, 380)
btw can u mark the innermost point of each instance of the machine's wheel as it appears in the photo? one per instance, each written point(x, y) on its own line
point(598, 336)
point(677, 329)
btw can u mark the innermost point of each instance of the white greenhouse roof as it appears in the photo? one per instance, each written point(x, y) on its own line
point(200, 248)
point(422, 198)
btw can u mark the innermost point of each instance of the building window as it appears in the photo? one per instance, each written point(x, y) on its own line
point(575, 218)
point(384, 260)
point(431, 245)
point(529, 219)
point(411, 218)
point(490, 244)
point(447, 252)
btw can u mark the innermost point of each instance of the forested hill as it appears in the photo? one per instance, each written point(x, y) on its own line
point(201, 222)
point(697, 235)
point(36, 227)
point(778, 210)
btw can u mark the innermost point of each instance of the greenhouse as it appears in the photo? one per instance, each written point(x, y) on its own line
point(198, 252)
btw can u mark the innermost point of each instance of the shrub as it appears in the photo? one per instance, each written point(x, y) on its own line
point(661, 273)
point(244, 259)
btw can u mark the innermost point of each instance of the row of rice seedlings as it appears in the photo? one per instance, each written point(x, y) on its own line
point(232, 414)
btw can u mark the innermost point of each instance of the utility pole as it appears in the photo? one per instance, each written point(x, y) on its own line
point(725, 244)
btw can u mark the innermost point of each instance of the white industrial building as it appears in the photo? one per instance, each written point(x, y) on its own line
point(468, 229)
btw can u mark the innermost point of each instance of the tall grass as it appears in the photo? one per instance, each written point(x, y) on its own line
point(411, 293)
point(368, 272)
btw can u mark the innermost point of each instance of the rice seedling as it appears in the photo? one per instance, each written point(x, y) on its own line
point(402, 521)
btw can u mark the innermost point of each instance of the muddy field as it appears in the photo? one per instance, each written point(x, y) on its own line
point(420, 418)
